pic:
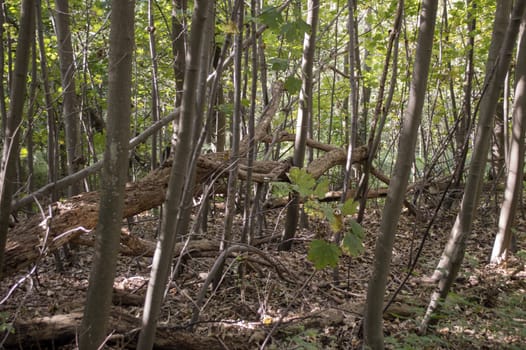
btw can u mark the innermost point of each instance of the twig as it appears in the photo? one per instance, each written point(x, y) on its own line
point(286, 311)
point(219, 263)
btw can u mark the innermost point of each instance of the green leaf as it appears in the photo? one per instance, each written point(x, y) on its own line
point(349, 207)
point(321, 188)
point(302, 181)
point(294, 31)
point(357, 229)
point(278, 64)
point(352, 245)
point(292, 84)
point(271, 17)
point(226, 108)
point(313, 209)
point(327, 210)
point(322, 254)
point(280, 189)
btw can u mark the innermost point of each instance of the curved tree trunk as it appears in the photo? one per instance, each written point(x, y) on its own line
point(113, 177)
point(373, 333)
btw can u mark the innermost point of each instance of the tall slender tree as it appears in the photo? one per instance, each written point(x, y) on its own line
point(155, 84)
point(496, 70)
point(513, 188)
point(52, 138)
point(70, 111)
point(14, 118)
point(302, 121)
point(235, 128)
point(3, 108)
point(179, 179)
point(373, 333)
point(113, 177)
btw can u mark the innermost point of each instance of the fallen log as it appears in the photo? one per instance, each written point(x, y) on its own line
point(67, 220)
point(123, 329)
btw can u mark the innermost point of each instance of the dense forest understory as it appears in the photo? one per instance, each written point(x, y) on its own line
point(280, 295)
point(249, 174)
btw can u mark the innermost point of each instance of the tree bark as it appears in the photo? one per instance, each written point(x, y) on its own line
point(63, 328)
point(76, 216)
point(180, 179)
point(70, 113)
point(496, 69)
point(113, 178)
point(302, 122)
point(373, 332)
point(14, 118)
point(516, 164)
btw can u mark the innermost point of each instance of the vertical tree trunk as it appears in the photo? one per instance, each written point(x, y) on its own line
point(373, 333)
point(14, 118)
point(70, 112)
point(3, 108)
point(52, 139)
point(230, 210)
point(496, 68)
point(113, 177)
point(179, 36)
point(353, 99)
point(465, 123)
point(302, 122)
point(178, 46)
point(516, 164)
point(249, 211)
point(380, 111)
point(239, 9)
point(154, 162)
point(179, 178)
point(30, 119)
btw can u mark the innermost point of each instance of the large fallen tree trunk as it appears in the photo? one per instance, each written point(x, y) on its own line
point(62, 329)
point(69, 219)
point(66, 220)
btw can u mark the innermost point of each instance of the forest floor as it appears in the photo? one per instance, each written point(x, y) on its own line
point(300, 308)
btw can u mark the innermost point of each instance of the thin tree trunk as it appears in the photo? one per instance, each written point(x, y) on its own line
point(30, 118)
point(380, 113)
point(302, 122)
point(52, 139)
point(515, 173)
point(14, 118)
point(178, 46)
point(179, 43)
point(155, 86)
point(249, 212)
point(230, 210)
point(496, 68)
point(373, 333)
point(3, 108)
point(465, 123)
point(179, 178)
point(70, 113)
point(354, 100)
point(113, 177)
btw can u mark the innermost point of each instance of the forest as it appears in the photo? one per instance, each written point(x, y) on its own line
point(279, 174)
